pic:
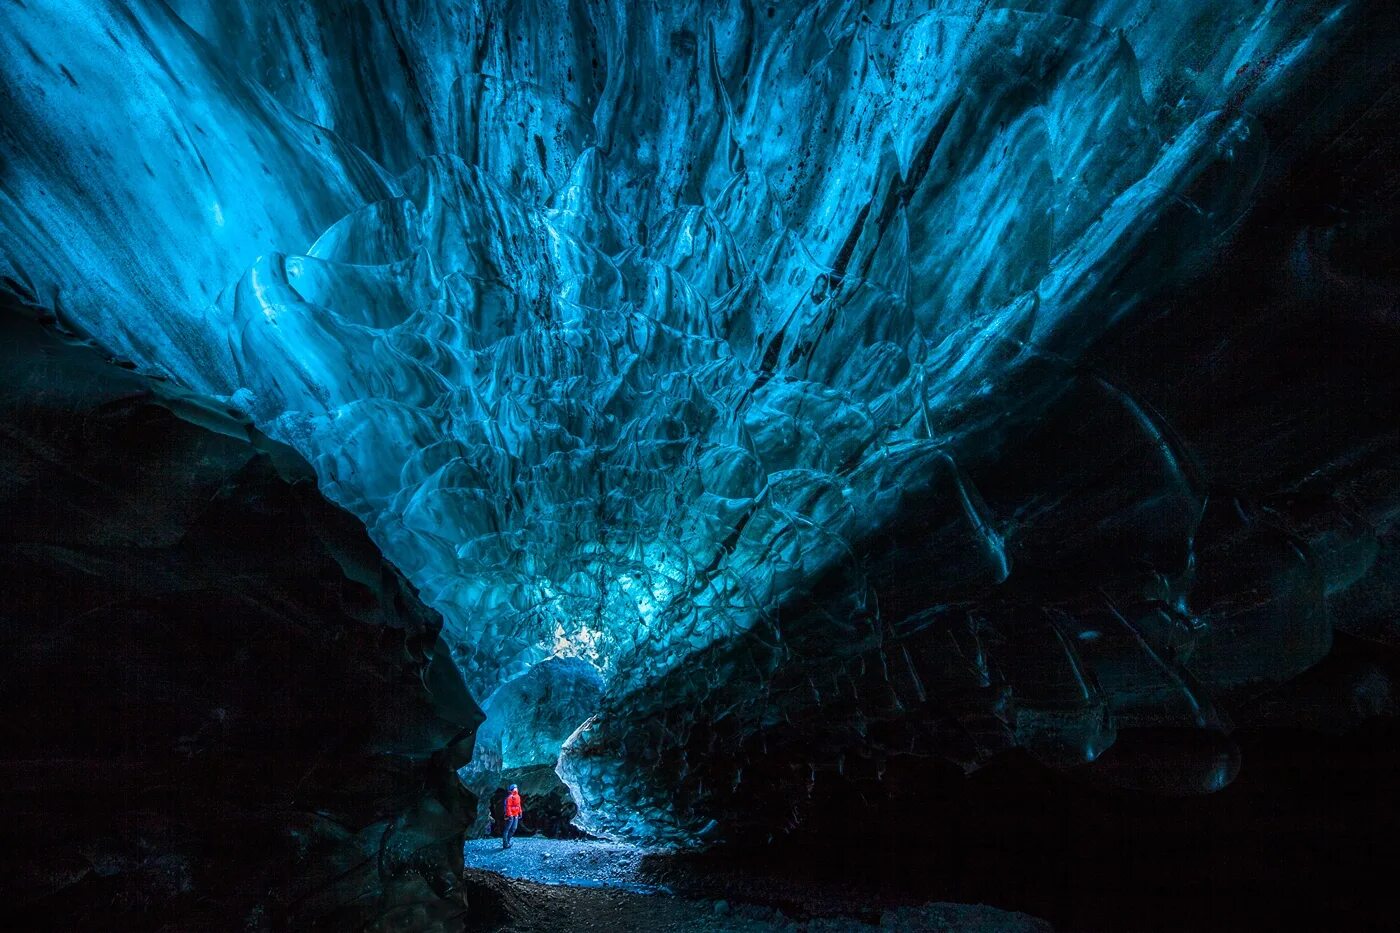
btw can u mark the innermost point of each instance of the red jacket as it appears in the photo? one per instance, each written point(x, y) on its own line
point(513, 804)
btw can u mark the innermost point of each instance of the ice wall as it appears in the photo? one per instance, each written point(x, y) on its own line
point(621, 324)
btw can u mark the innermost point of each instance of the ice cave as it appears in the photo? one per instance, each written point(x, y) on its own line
point(866, 464)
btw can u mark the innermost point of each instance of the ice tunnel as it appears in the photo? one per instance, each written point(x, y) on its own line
point(769, 391)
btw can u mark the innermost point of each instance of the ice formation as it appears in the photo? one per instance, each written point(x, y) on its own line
point(627, 328)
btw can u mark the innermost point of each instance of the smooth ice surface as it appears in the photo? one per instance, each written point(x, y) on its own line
point(619, 324)
point(529, 719)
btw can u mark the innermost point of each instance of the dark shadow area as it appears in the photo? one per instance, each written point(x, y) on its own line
point(221, 708)
point(1306, 837)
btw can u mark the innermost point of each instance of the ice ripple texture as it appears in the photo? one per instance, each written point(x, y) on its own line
point(620, 324)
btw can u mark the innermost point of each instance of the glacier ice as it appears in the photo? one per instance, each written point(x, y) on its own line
point(662, 336)
point(529, 719)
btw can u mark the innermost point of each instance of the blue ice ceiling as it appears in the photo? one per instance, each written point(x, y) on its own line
point(619, 323)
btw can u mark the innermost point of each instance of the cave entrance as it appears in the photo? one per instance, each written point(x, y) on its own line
point(527, 722)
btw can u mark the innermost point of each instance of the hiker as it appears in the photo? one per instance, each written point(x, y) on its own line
point(513, 814)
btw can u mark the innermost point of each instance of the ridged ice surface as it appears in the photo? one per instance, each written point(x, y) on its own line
point(620, 323)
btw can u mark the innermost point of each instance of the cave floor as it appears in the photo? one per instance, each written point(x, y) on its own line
point(555, 885)
point(579, 863)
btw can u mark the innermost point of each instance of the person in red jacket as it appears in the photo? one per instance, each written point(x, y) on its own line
point(514, 811)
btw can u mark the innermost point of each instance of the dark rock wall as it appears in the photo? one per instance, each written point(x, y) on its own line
point(221, 708)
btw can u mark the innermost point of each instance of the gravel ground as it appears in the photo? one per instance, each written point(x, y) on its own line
point(581, 863)
point(560, 886)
